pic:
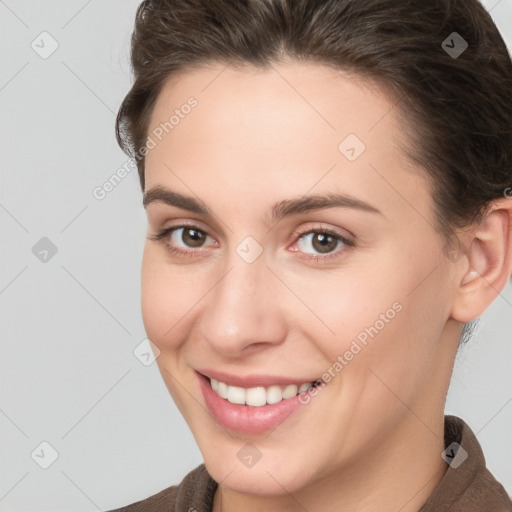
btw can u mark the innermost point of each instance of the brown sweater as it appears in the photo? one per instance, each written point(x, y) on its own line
point(468, 488)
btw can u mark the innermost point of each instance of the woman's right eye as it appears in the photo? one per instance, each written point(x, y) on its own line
point(189, 237)
point(184, 239)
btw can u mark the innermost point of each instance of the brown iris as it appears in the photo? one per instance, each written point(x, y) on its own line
point(323, 242)
point(193, 237)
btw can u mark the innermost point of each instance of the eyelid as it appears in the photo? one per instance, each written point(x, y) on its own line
point(189, 223)
point(184, 223)
point(348, 238)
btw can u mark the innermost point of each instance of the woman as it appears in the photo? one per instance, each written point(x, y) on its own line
point(327, 185)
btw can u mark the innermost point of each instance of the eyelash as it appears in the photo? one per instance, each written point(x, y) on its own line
point(349, 244)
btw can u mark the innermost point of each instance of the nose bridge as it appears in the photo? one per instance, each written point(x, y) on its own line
point(241, 308)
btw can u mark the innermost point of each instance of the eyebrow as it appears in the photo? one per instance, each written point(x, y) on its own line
point(286, 208)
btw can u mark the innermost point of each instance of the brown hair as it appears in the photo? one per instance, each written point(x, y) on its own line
point(459, 105)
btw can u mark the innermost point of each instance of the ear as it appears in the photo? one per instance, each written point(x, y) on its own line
point(487, 265)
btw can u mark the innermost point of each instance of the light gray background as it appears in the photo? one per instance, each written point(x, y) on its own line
point(70, 325)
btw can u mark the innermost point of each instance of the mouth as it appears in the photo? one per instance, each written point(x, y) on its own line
point(252, 410)
point(258, 396)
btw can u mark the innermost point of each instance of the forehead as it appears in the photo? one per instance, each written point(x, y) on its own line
point(315, 97)
point(290, 127)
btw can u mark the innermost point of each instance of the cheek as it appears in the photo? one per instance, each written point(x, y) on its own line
point(346, 304)
point(169, 294)
point(378, 320)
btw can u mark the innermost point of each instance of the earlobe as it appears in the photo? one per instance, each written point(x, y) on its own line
point(487, 263)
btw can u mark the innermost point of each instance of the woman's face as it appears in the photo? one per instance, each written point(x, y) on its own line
point(309, 250)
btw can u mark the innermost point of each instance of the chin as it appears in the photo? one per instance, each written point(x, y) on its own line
point(265, 478)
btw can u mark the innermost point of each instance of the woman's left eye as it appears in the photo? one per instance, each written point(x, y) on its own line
point(321, 242)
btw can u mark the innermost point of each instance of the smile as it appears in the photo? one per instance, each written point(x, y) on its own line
point(251, 409)
point(258, 396)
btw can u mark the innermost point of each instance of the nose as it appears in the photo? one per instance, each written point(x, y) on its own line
point(243, 309)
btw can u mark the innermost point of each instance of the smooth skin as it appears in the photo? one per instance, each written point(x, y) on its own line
point(371, 440)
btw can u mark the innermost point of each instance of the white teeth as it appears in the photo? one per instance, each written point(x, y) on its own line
point(222, 389)
point(236, 395)
point(253, 396)
point(304, 387)
point(257, 396)
point(274, 395)
point(290, 390)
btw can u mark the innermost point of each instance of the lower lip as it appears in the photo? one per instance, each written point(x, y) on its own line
point(245, 418)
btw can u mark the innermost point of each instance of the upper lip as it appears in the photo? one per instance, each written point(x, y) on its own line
point(250, 381)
